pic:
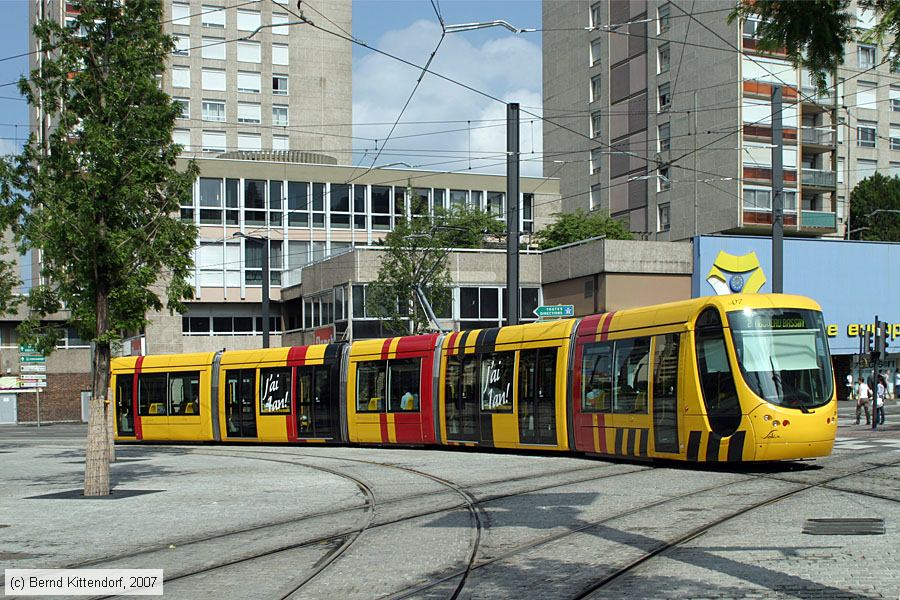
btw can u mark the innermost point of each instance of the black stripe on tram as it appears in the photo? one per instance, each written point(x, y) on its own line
point(645, 433)
point(490, 339)
point(736, 447)
point(487, 429)
point(332, 352)
point(693, 449)
point(479, 341)
point(462, 342)
point(712, 447)
point(618, 447)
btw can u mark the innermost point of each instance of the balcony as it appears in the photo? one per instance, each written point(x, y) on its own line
point(818, 219)
point(818, 136)
point(818, 178)
point(811, 95)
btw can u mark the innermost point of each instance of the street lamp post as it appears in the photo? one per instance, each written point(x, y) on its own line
point(264, 241)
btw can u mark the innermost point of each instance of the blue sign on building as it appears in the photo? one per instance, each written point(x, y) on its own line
point(852, 281)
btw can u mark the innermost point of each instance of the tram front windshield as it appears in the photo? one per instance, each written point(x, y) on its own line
point(783, 355)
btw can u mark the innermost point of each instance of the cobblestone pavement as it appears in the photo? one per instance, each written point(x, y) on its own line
point(361, 523)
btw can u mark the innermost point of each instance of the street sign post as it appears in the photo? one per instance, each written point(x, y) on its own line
point(555, 311)
point(32, 373)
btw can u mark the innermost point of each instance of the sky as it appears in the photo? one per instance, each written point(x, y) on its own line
point(495, 61)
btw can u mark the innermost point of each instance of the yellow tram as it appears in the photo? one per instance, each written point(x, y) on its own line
point(714, 379)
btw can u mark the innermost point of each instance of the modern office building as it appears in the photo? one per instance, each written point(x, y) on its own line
point(659, 113)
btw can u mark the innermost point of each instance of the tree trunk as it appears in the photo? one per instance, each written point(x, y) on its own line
point(96, 463)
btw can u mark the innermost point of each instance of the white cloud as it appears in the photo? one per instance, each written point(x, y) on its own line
point(507, 68)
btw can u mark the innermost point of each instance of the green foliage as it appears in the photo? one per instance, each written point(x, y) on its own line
point(814, 32)
point(416, 253)
point(567, 228)
point(876, 193)
point(102, 205)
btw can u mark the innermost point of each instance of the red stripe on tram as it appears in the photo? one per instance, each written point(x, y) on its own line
point(385, 437)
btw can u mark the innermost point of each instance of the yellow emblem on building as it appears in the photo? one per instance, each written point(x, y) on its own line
point(732, 274)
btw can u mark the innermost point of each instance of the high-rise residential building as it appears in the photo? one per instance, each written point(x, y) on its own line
point(659, 113)
point(250, 76)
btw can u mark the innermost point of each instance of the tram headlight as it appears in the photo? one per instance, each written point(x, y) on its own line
point(774, 423)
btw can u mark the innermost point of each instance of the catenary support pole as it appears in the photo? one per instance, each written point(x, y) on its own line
point(265, 291)
point(512, 212)
point(777, 194)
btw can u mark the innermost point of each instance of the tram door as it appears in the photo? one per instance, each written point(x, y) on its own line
point(315, 404)
point(665, 393)
point(124, 406)
point(462, 399)
point(537, 396)
point(240, 403)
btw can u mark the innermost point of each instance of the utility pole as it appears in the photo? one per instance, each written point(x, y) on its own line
point(777, 194)
point(264, 241)
point(512, 212)
point(696, 183)
point(875, 335)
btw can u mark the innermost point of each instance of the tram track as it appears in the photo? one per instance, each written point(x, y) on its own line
point(349, 537)
point(666, 546)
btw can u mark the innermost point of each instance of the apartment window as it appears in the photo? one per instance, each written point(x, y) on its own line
point(865, 17)
point(280, 85)
point(757, 199)
point(182, 137)
point(895, 99)
point(182, 45)
point(278, 19)
point(249, 82)
point(865, 168)
point(181, 14)
point(248, 52)
point(213, 48)
point(213, 141)
point(213, 110)
point(751, 25)
point(280, 142)
point(840, 170)
point(596, 159)
point(185, 105)
point(595, 88)
point(663, 181)
point(213, 80)
point(213, 17)
point(249, 141)
point(663, 222)
point(866, 95)
point(664, 137)
point(596, 14)
point(181, 77)
point(866, 133)
point(893, 171)
point(664, 57)
point(895, 137)
point(895, 62)
point(596, 120)
point(664, 94)
point(248, 20)
point(249, 113)
point(279, 115)
point(865, 56)
point(595, 51)
point(279, 54)
point(662, 18)
point(595, 196)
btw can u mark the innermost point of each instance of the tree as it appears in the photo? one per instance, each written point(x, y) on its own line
point(416, 254)
point(567, 228)
point(100, 201)
point(814, 33)
point(875, 193)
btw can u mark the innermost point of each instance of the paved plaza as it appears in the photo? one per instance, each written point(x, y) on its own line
point(338, 522)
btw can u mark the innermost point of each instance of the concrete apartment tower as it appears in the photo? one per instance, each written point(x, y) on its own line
point(250, 78)
point(659, 114)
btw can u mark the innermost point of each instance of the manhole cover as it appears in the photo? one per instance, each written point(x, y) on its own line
point(844, 527)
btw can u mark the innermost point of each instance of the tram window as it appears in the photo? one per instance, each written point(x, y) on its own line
point(371, 379)
point(596, 378)
point(275, 391)
point(404, 389)
point(723, 408)
point(152, 394)
point(497, 371)
point(632, 364)
point(184, 394)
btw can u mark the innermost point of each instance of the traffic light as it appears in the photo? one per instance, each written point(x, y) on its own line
point(871, 342)
point(883, 339)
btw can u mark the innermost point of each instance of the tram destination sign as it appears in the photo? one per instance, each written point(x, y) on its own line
point(555, 311)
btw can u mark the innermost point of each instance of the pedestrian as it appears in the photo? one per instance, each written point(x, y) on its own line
point(897, 383)
point(880, 391)
point(862, 400)
point(849, 386)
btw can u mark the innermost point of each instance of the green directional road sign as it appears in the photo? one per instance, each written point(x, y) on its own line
point(33, 359)
point(555, 310)
point(27, 348)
